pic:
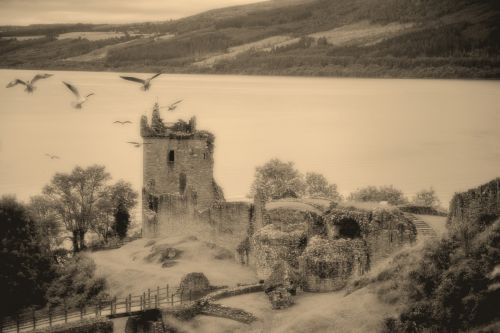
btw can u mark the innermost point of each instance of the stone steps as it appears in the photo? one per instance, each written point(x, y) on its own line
point(424, 231)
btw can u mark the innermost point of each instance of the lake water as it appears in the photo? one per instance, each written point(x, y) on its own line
point(412, 134)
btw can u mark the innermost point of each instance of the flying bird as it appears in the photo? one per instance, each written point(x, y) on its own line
point(145, 83)
point(30, 85)
point(173, 106)
point(80, 99)
point(138, 144)
point(52, 157)
point(122, 122)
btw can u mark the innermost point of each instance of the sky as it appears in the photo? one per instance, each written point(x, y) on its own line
point(24, 12)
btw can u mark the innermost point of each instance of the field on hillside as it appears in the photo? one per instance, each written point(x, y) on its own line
point(137, 266)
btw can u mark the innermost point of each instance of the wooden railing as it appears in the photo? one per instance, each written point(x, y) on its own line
point(132, 304)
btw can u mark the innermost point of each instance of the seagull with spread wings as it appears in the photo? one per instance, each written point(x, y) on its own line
point(122, 122)
point(145, 83)
point(80, 99)
point(138, 144)
point(52, 157)
point(174, 105)
point(30, 85)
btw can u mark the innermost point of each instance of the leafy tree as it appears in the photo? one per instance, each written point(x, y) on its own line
point(26, 266)
point(75, 197)
point(277, 179)
point(426, 198)
point(377, 194)
point(47, 221)
point(122, 221)
point(317, 185)
point(117, 197)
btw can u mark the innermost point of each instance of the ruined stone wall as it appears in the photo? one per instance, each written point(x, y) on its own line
point(327, 265)
point(230, 222)
point(273, 244)
point(383, 230)
point(193, 161)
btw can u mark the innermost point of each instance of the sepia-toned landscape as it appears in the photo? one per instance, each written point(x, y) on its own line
point(275, 166)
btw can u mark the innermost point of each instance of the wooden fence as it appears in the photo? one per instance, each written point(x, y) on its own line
point(132, 304)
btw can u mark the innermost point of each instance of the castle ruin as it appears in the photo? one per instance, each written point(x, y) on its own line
point(321, 242)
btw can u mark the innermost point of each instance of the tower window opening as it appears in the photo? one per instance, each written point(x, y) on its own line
point(171, 156)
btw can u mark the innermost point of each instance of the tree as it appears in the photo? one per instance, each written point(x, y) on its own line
point(46, 220)
point(117, 197)
point(26, 266)
point(377, 194)
point(75, 198)
point(276, 180)
point(317, 186)
point(122, 221)
point(426, 198)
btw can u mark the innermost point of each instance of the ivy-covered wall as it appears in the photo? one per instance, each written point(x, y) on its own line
point(478, 205)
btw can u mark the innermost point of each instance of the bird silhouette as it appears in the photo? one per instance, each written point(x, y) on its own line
point(173, 106)
point(122, 122)
point(52, 157)
point(138, 144)
point(80, 99)
point(30, 85)
point(145, 83)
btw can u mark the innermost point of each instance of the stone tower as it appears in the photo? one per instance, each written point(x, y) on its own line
point(177, 170)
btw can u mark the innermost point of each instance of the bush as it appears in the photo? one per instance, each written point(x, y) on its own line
point(452, 287)
point(76, 284)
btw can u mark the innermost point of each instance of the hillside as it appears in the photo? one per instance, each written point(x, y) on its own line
point(369, 38)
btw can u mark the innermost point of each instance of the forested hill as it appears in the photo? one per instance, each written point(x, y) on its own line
point(368, 38)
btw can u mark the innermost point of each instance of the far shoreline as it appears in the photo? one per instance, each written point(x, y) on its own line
point(226, 74)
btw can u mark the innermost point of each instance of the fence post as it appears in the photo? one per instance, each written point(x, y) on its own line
point(126, 304)
point(149, 298)
point(130, 302)
point(114, 307)
point(34, 320)
point(96, 310)
point(157, 293)
point(167, 293)
point(172, 300)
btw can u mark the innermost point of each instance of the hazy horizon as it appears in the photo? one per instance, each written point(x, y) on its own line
point(27, 12)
